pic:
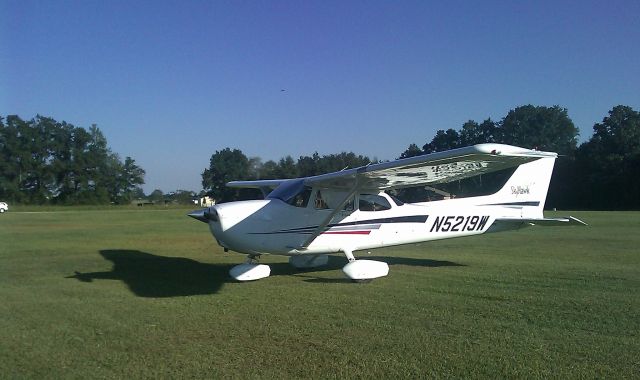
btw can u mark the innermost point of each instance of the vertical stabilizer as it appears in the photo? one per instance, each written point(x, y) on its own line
point(527, 188)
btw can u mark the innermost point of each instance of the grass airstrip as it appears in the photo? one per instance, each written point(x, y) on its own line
point(104, 293)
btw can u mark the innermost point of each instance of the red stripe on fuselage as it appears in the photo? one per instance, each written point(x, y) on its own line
point(347, 233)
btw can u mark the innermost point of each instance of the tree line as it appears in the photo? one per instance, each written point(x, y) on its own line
point(231, 165)
point(602, 173)
point(46, 161)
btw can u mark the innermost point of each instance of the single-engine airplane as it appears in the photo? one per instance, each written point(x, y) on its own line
point(350, 210)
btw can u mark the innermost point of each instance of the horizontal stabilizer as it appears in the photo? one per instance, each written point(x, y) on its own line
point(566, 221)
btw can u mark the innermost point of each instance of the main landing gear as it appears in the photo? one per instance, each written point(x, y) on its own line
point(356, 270)
point(363, 270)
point(252, 270)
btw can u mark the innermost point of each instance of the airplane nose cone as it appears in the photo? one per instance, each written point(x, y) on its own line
point(205, 215)
point(198, 215)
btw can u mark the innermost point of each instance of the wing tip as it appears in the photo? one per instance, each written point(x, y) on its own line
point(510, 150)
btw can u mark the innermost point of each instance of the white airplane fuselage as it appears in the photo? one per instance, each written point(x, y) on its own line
point(272, 226)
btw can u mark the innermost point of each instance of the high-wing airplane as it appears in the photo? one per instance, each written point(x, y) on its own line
point(350, 210)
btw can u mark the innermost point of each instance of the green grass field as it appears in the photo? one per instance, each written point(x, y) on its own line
point(145, 293)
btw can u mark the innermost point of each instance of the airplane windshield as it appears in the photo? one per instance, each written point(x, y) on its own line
point(293, 192)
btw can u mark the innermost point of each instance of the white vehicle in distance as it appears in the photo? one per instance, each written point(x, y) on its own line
point(4, 207)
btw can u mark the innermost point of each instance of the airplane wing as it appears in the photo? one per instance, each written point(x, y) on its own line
point(440, 167)
point(258, 184)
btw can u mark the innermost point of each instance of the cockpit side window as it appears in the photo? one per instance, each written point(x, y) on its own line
point(371, 202)
point(302, 198)
point(330, 199)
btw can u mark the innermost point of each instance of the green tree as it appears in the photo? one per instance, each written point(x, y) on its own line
point(98, 170)
point(443, 140)
point(181, 197)
point(156, 196)
point(543, 128)
point(45, 161)
point(10, 160)
point(134, 177)
point(59, 137)
point(287, 168)
point(609, 163)
point(224, 166)
point(269, 170)
point(316, 165)
point(411, 151)
point(25, 159)
point(473, 133)
point(309, 165)
point(124, 182)
point(255, 168)
point(336, 162)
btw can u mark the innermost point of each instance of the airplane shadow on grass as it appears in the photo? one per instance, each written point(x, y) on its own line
point(153, 276)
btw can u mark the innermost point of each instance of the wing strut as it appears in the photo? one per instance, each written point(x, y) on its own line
point(328, 219)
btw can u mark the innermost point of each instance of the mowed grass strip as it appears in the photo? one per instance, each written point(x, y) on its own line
point(145, 293)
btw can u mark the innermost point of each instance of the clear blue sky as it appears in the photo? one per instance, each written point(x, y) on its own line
point(169, 83)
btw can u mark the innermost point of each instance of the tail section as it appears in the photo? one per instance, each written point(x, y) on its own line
point(527, 188)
